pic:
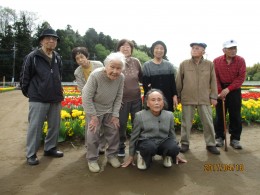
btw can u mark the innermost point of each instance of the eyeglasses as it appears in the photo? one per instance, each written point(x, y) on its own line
point(48, 38)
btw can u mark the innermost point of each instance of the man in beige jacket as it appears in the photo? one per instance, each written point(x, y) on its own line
point(197, 88)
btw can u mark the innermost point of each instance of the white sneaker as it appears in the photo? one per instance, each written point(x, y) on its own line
point(167, 161)
point(93, 167)
point(140, 162)
point(114, 162)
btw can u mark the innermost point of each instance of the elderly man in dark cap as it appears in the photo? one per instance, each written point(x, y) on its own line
point(159, 73)
point(197, 88)
point(40, 81)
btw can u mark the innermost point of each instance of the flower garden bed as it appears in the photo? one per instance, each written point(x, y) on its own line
point(73, 115)
point(5, 89)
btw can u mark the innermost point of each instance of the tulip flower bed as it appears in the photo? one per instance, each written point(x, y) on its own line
point(250, 111)
point(73, 116)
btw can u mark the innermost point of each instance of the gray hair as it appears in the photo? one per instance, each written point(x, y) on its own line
point(115, 56)
point(165, 107)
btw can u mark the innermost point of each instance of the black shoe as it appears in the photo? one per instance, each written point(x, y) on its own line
point(121, 152)
point(33, 160)
point(213, 150)
point(184, 148)
point(101, 152)
point(53, 153)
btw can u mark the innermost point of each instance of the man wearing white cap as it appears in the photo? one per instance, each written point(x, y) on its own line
point(230, 73)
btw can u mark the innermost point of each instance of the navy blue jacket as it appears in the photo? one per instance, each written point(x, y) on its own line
point(40, 80)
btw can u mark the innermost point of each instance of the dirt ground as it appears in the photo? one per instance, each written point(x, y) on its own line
point(232, 172)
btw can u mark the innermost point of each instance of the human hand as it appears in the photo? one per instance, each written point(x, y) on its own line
point(127, 162)
point(115, 122)
point(93, 123)
point(180, 159)
point(175, 101)
point(213, 102)
point(224, 93)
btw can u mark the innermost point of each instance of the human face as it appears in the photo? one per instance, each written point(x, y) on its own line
point(155, 103)
point(82, 60)
point(197, 51)
point(49, 42)
point(158, 51)
point(113, 69)
point(126, 49)
point(230, 52)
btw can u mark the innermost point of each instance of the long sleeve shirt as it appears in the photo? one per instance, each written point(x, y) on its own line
point(160, 76)
point(196, 83)
point(79, 73)
point(233, 74)
point(102, 95)
point(133, 75)
point(148, 126)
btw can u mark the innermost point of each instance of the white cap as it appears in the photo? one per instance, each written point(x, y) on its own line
point(230, 43)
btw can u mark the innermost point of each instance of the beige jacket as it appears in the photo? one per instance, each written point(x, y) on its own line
point(79, 75)
point(196, 84)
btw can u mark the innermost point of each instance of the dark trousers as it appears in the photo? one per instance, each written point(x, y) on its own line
point(233, 107)
point(148, 148)
point(126, 109)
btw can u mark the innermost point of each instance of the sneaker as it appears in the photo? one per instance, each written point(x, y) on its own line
point(167, 161)
point(219, 142)
point(140, 162)
point(121, 152)
point(235, 144)
point(33, 160)
point(93, 167)
point(213, 150)
point(114, 162)
point(184, 148)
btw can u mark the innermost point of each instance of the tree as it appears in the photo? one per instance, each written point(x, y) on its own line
point(256, 76)
point(25, 34)
point(252, 73)
point(7, 18)
point(142, 56)
point(22, 44)
point(101, 52)
point(91, 39)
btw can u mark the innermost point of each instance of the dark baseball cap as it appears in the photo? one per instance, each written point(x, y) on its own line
point(204, 45)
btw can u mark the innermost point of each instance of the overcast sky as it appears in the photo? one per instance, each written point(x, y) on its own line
point(176, 22)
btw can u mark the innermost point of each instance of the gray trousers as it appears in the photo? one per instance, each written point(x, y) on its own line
point(111, 136)
point(205, 113)
point(102, 144)
point(38, 113)
point(126, 109)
